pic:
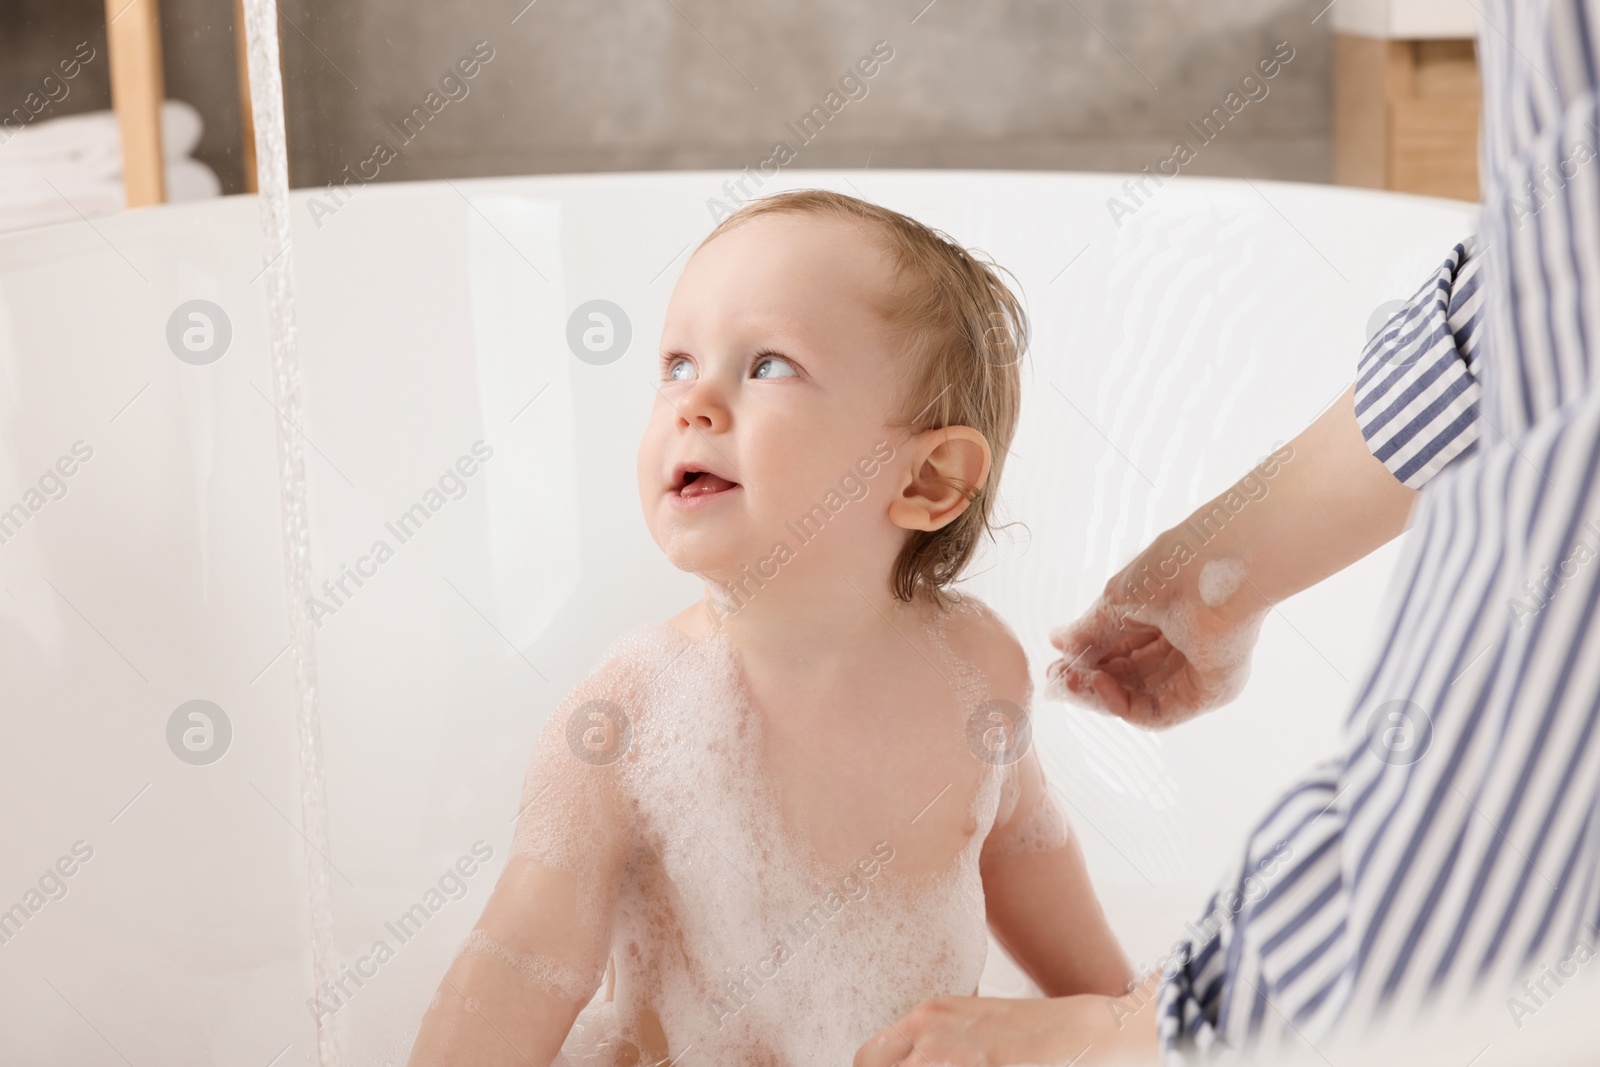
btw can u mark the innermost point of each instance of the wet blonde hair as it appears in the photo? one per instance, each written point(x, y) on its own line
point(964, 332)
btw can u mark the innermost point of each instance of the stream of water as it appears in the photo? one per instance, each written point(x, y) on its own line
point(272, 181)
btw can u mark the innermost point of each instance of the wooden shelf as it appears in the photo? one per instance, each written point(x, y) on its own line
point(133, 38)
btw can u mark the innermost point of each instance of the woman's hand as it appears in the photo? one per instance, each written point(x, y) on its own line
point(988, 1031)
point(1165, 641)
point(1171, 635)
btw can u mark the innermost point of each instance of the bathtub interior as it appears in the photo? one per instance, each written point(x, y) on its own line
point(1170, 353)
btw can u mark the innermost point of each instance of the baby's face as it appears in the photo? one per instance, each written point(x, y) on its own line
point(778, 376)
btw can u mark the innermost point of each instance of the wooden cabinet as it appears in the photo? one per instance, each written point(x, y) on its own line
point(1405, 115)
point(1406, 95)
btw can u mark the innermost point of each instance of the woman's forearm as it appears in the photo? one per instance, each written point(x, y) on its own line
point(1308, 511)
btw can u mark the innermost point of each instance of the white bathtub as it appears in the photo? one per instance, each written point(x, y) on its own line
point(1169, 354)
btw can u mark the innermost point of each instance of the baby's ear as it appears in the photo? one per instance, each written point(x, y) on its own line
point(947, 467)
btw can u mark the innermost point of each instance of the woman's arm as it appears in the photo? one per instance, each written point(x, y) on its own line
point(1087, 1030)
point(1330, 503)
point(1156, 648)
point(1172, 632)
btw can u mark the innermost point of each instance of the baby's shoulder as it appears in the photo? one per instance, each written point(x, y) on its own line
point(977, 633)
point(617, 689)
point(629, 666)
point(579, 781)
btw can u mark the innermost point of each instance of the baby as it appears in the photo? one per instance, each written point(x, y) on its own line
point(766, 829)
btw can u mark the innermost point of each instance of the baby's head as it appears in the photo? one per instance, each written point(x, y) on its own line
point(848, 381)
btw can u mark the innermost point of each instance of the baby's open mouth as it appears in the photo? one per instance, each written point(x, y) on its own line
point(703, 483)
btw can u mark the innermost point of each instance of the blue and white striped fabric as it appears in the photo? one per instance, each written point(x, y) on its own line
point(1417, 388)
point(1454, 842)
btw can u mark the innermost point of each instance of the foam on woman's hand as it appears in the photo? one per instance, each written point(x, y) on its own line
point(1169, 658)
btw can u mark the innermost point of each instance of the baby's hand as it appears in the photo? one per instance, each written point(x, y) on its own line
point(1156, 650)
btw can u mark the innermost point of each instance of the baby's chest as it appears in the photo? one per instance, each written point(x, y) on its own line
point(843, 791)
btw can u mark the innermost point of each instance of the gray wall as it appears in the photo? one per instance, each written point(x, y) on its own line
point(654, 84)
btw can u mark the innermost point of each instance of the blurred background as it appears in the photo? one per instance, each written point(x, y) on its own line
point(1377, 94)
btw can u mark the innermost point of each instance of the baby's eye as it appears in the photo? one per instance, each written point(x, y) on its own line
point(676, 369)
point(771, 365)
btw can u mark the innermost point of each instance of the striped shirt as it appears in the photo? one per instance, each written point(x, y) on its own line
point(1453, 842)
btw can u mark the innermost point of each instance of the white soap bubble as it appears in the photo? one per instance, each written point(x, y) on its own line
point(1219, 578)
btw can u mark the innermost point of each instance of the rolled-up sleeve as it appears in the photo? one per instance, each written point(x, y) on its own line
point(1417, 389)
point(1190, 996)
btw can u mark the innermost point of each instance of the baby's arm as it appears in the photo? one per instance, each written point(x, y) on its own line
point(539, 949)
point(1041, 905)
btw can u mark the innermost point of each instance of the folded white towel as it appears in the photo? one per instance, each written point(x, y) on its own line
point(96, 136)
point(32, 202)
point(55, 169)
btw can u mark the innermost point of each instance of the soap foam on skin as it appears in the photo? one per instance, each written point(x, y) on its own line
point(713, 882)
point(1041, 829)
point(544, 971)
point(1219, 579)
point(1227, 654)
